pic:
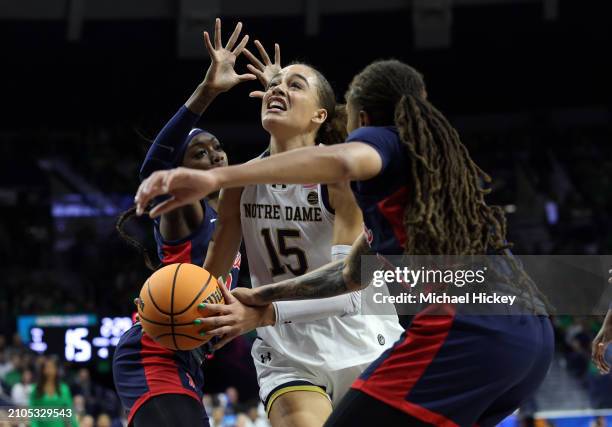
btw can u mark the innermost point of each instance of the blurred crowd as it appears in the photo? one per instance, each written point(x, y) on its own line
point(574, 336)
point(29, 380)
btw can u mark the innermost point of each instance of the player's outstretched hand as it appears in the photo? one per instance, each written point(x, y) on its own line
point(603, 338)
point(263, 70)
point(249, 297)
point(232, 319)
point(183, 185)
point(221, 75)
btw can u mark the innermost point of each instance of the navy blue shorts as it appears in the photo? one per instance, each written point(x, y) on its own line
point(461, 370)
point(143, 369)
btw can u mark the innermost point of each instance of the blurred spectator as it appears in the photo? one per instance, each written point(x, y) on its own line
point(257, 415)
point(231, 400)
point(216, 417)
point(50, 392)
point(20, 393)
point(17, 343)
point(599, 422)
point(83, 386)
point(87, 421)
point(78, 405)
point(243, 421)
point(6, 365)
point(104, 420)
point(13, 376)
point(97, 398)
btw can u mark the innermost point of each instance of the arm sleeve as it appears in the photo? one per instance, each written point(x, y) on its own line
point(378, 138)
point(168, 144)
point(322, 308)
point(317, 309)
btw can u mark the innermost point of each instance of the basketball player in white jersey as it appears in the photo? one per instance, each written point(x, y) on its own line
point(308, 352)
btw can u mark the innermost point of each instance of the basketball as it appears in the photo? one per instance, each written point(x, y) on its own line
point(169, 302)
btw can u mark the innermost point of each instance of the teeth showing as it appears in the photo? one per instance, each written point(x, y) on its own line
point(276, 104)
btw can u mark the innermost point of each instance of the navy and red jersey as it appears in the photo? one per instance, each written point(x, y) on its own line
point(382, 199)
point(142, 368)
point(450, 368)
point(190, 249)
point(193, 248)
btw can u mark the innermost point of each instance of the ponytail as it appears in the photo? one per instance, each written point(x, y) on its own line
point(333, 131)
point(119, 226)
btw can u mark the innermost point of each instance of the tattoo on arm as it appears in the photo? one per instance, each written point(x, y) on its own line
point(326, 281)
point(353, 264)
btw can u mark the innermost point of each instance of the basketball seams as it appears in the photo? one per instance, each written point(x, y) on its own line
point(166, 327)
point(202, 289)
point(154, 322)
point(173, 337)
point(172, 306)
point(153, 301)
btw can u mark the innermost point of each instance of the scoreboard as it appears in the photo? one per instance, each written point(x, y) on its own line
point(79, 338)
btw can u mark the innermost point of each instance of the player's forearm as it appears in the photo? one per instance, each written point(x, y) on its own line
point(332, 279)
point(222, 250)
point(164, 152)
point(201, 99)
point(327, 281)
point(301, 166)
point(321, 308)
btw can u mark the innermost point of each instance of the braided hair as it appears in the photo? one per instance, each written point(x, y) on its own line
point(445, 213)
point(123, 218)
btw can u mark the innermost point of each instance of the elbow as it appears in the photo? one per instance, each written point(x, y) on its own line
point(352, 280)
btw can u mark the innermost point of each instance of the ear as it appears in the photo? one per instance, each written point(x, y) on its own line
point(319, 116)
point(364, 118)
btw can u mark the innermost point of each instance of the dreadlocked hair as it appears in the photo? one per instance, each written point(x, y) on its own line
point(445, 213)
point(120, 227)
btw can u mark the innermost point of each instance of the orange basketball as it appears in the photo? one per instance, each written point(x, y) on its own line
point(169, 304)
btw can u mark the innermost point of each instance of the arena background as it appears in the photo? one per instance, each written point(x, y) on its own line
point(86, 84)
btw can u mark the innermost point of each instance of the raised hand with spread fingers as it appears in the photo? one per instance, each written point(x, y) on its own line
point(263, 70)
point(221, 75)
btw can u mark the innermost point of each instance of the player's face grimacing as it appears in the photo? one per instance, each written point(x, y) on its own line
point(204, 153)
point(291, 102)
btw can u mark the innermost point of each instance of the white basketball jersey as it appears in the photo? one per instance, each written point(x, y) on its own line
point(287, 231)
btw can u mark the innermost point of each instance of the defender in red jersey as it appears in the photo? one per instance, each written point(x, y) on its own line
point(158, 386)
